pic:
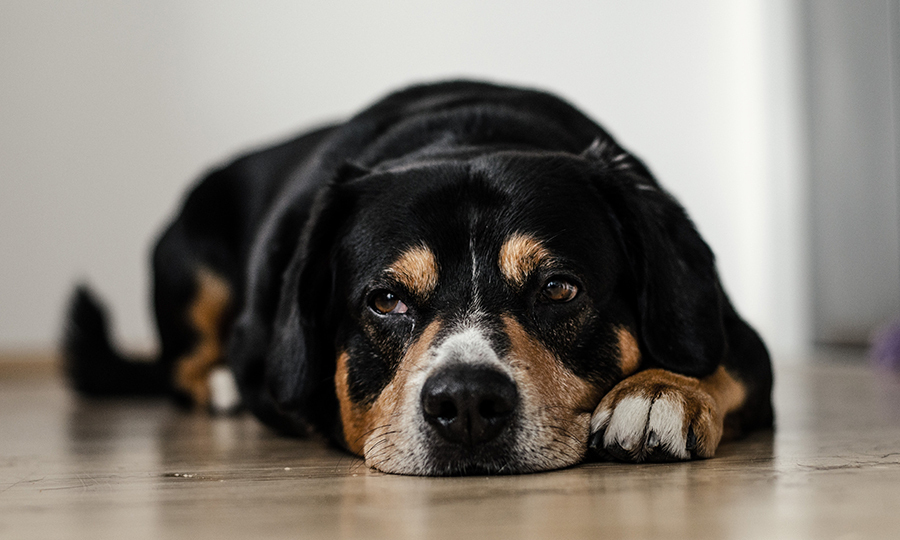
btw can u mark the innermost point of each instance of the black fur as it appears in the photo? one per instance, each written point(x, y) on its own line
point(299, 231)
point(94, 367)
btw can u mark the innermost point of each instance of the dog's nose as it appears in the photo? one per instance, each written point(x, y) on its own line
point(469, 405)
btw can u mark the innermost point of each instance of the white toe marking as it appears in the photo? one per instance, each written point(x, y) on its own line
point(667, 421)
point(224, 393)
point(628, 423)
point(600, 419)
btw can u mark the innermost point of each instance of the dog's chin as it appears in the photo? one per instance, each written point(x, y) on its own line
point(496, 458)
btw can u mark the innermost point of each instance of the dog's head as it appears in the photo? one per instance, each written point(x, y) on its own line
point(466, 315)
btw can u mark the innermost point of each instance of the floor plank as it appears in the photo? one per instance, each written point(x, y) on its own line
point(77, 468)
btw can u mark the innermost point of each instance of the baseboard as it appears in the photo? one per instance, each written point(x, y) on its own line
point(16, 363)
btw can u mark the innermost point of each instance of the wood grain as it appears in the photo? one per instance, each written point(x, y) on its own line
point(76, 468)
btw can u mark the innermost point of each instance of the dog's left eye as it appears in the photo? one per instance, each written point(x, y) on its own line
point(558, 290)
point(387, 303)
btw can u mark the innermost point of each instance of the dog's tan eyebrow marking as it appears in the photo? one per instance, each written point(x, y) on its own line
point(521, 255)
point(629, 351)
point(417, 270)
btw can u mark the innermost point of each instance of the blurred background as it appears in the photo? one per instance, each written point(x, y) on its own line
point(776, 123)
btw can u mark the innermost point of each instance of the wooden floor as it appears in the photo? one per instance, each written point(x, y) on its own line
point(72, 468)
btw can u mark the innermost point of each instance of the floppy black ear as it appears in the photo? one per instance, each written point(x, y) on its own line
point(279, 350)
point(300, 362)
point(680, 299)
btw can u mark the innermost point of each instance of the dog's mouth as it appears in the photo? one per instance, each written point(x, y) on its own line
point(478, 463)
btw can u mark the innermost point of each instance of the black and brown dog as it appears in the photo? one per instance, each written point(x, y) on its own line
point(464, 278)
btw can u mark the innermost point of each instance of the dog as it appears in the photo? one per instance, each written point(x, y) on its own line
point(464, 278)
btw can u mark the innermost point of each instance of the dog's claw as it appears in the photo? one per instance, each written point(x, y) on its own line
point(652, 441)
point(691, 440)
point(595, 442)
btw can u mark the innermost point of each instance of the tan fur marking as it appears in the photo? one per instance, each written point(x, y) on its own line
point(558, 390)
point(521, 255)
point(728, 393)
point(205, 315)
point(362, 424)
point(629, 351)
point(353, 427)
point(417, 270)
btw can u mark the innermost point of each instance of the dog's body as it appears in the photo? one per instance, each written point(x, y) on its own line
point(463, 278)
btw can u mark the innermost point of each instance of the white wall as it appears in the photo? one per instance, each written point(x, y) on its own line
point(109, 109)
point(854, 110)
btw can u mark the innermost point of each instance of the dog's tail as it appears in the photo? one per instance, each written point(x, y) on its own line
point(94, 366)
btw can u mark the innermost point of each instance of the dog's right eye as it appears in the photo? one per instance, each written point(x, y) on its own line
point(559, 291)
point(387, 303)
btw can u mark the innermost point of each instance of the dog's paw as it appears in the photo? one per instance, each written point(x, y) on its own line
point(656, 415)
point(224, 396)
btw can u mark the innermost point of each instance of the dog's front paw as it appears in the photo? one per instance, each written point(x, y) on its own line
point(656, 415)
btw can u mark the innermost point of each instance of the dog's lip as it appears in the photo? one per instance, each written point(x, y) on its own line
point(494, 463)
point(497, 456)
point(500, 462)
point(475, 469)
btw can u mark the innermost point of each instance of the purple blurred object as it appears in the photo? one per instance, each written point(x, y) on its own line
point(885, 350)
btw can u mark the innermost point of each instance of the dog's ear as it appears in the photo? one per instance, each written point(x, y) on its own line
point(300, 363)
point(279, 350)
point(680, 299)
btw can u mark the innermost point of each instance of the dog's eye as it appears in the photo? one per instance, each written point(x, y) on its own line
point(558, 291)
point(387, 303)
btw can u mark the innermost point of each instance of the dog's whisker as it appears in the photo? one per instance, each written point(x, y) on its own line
point(563, 443)
point(380, 441)
point(565, 432)
point(382, 462)
point(374, 429)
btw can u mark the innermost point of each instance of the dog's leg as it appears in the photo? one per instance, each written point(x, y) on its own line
point(194, 371)
point(195, 301)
